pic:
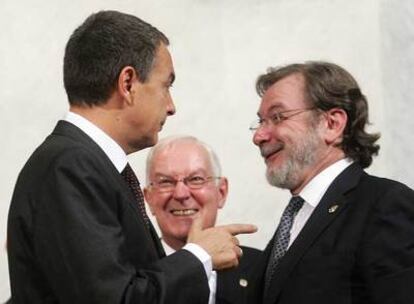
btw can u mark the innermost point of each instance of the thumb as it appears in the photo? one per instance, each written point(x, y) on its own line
point(197, 225)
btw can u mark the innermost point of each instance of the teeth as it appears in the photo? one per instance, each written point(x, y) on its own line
point(184, 212)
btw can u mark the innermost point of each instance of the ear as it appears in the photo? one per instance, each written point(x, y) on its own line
point(126, 78)
point(223, 188)
point(335, 123)
point(148, 199)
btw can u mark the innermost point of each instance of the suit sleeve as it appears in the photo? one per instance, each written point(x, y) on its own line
point(387, 254)
point(81, 246)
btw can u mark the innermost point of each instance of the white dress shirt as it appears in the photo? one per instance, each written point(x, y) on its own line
point(212, 280)
point(118, 157)
point(313, 192)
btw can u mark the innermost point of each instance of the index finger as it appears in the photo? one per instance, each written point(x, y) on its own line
point(236, 229)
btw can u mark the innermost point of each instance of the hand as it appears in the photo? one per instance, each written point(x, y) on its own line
point(219, 242)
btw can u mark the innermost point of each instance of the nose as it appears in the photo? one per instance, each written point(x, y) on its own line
point(170, 105)
point(181, 191)
point(261, 135)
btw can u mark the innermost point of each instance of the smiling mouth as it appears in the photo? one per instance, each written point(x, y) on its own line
point(268, 152)
point(183, 212)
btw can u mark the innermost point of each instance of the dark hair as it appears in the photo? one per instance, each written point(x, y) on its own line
point(328, 86)
point(100, 48)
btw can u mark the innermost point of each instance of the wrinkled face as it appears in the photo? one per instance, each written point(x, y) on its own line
point(293, 147)
point(152, 102)
point(175, 210)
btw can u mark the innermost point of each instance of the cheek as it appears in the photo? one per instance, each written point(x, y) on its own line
point(159, 204)
point(289, 136)
point(209, 206)
point(159, 99)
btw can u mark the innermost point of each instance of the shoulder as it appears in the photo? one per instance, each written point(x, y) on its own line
point(379, 188)
point(354, 181)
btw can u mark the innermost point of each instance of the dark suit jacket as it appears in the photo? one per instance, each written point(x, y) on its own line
point(233, 285)
point(361, 251)
point(75, 234)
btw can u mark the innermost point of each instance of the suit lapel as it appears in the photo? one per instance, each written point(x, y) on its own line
point(149, 231)
point(328, 209)
point(255, 294)
point(64, 128)
point(157, 242)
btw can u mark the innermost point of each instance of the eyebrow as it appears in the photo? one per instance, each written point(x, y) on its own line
point(277, 106)
point(201, 171)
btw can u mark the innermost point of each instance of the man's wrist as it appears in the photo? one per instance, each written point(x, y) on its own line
point(202, 255)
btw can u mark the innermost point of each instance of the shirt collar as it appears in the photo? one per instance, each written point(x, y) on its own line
point(103, 140)
point(167, 248)
point(312, 193)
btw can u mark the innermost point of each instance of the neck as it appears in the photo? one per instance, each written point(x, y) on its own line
point(105, 117)
point(174, 243)
point(332, 156)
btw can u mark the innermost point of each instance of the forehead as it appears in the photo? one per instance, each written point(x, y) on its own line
point(285, 94)
point(163, 65)
point(181, 158)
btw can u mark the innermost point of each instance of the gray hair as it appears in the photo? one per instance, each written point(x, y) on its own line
point(170, 140)
point(328, 86)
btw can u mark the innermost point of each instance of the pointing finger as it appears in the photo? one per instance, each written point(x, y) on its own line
point(236, 229)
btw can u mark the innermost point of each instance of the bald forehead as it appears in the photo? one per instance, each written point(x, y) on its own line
point(181, 151)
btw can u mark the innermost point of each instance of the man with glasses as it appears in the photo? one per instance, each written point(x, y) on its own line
point(183, 182)
point(345, 236)
point(77, 227)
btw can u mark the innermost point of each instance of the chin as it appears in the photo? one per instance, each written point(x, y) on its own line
point(185, 223)
point(145, 142)
point(275, 162)
point(181, 234)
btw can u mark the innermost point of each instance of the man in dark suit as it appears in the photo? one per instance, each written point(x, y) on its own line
point(184, 181)
point(77, 227)
point(345, 236)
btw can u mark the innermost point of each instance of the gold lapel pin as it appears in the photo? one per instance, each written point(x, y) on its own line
point(333, 208)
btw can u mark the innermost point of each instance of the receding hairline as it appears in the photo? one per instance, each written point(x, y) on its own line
point(171, 141)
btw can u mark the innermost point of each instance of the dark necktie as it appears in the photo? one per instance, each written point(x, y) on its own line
point(282, 238)
point(133, 183)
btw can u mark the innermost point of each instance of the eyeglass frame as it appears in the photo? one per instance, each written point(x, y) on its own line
point(174, 182)
point(276, 118)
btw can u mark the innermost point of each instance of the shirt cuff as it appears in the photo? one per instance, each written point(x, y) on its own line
point(202, 255)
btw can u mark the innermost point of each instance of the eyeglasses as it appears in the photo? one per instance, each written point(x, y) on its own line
point(167, 184)
point(276, 118)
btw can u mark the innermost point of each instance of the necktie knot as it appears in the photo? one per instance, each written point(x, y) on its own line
point(129, 176)
point(295, 203)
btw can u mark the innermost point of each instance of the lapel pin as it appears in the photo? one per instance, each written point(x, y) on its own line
point(243, 282)
point(333, 208)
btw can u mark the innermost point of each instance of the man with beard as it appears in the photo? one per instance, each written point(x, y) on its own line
point(77, 227)
point(345, 236)
point(184, 181)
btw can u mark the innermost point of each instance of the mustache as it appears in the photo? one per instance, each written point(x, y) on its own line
point(266, 150)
